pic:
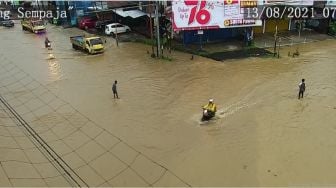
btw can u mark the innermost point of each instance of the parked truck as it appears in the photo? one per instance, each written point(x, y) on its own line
point(91, 45)
point(35, 26)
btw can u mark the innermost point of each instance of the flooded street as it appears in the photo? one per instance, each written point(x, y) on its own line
point(264, 135)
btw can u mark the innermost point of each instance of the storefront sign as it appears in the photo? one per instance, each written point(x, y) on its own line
point(290, 2)
point(331, 3)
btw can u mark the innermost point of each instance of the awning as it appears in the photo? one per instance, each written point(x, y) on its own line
point(136, 13)
point(130, 13)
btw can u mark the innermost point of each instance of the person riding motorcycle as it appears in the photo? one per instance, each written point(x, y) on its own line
point(47, 43)
point(209, 110)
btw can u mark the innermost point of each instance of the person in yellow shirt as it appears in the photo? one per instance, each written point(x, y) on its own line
point(209, 110)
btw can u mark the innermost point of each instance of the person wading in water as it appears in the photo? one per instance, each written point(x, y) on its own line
point(114, 90)
point(302, 88)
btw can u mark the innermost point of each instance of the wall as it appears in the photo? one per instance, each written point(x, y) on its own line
point(210, 35)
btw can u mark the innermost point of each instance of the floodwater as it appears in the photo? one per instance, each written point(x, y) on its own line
point(263, 136)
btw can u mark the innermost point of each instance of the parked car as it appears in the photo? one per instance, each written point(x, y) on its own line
point(100, 24)
point(6, 23)
point(87, 23)
point(116, 28)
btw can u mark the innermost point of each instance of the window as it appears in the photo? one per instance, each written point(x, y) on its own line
point(96, 41)
point(37, 23)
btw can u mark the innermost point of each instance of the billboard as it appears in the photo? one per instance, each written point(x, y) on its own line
point(235, 13)
point(202, 14)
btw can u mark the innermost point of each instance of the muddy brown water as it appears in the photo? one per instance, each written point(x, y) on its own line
point(264, 135)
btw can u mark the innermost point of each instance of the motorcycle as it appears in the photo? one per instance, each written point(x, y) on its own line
point(207, 115)
point(48, 45)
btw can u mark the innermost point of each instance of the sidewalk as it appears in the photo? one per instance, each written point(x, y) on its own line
point(220, 51)
point(234, 49)
point(289, 38)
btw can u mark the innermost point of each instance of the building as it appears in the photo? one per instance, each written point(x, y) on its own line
point(75, 10)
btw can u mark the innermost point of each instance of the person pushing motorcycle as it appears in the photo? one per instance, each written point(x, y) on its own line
point(47, 43)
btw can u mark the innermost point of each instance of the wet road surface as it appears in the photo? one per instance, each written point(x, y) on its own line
point(264, 135)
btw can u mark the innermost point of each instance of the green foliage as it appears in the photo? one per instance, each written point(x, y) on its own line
point(332, 28)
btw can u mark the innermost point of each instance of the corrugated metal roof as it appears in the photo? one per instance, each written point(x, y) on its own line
point(130, 13)
point(118, 4)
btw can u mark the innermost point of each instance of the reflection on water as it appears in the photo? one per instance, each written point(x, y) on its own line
point(55, 71)
point(263, 136)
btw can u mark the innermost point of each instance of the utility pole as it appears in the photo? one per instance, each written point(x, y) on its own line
point(151, 27)
point(279, 47)
point(172, 34)
point(300, 27)
point(157, 29)
point(275, 39)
